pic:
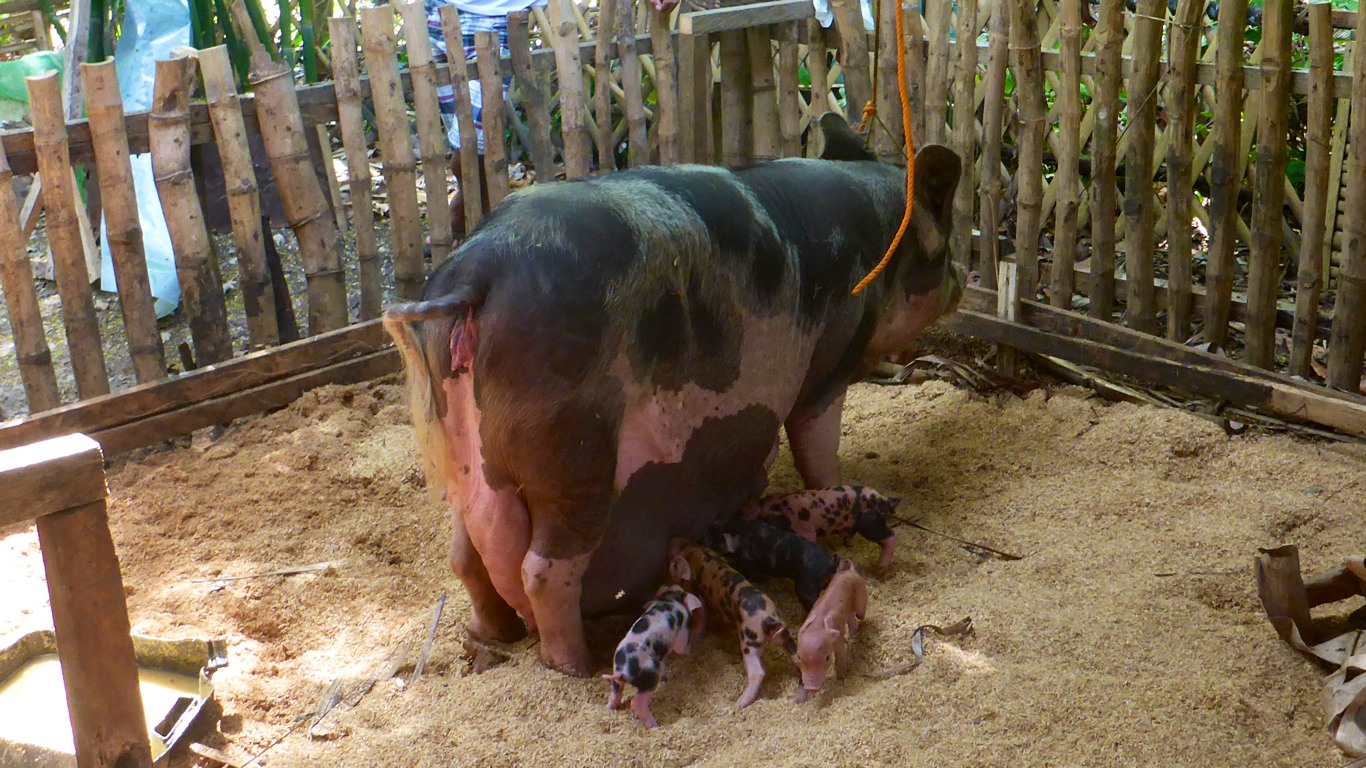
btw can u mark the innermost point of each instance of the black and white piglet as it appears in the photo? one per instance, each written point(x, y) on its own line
point(639, 660)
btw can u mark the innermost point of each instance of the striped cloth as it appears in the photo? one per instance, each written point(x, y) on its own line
point(470, 23)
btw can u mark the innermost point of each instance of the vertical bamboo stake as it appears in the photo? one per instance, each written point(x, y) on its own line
point(324, 140)
point(201, 286)
point(1139, 200)
point(64, 239)
point(690, 89)
point(1026, 61)
point(789, 107)
point(638, 142)
point(817, 49)
point(1184, 47)
point(21, 301)
point(886, 131)
point(1225, 175)
point(1008, 298)
point(244, 203)
point(565, 39)
point(764, 93)
point(431, 129)
point(464, 115)
point(964, 129)
point(532, 86)
point(104, 106)
point(858, 83)
point(937, 76)
point(1069, 151)
point(1264, 264)
point(346, 74)
point(1348, 337)
point(993, 119)
point(1104, 150)
point(602, 84)
point(736, 150)
point(396, 148)
point(666, 89)
point(1309, 282)
point(491, 84)
point(914, 40)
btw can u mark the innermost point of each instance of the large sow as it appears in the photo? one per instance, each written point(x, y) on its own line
point(604, 364)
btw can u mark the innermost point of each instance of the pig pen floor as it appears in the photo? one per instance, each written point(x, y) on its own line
point(1128, 634)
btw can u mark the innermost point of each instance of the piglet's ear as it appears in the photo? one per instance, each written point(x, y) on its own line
point(830, 625)
point(679, 569)
point(845, 565)
point(691, 602)
point(895, 501)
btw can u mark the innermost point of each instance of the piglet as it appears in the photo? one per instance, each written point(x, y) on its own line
point(760, 549)
point(824, 636)
point(840, 511)
point(727, 594)
point(639, 660)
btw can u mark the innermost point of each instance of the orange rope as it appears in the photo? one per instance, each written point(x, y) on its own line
point(910, 154)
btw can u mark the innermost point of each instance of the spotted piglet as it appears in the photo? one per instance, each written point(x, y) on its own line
point(840, 511)
point(760, 549)
point(729, 595)
point(824, 636)
point(639, 660)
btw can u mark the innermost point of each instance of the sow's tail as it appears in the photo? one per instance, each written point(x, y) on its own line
point(424, 354)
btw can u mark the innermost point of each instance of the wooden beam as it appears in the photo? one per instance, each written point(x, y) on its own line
point(745, 16)
point(50, 476)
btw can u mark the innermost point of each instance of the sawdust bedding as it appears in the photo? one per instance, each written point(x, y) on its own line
point(1128, 633)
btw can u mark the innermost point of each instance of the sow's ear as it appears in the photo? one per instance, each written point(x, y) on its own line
point(937, 169)
point(841, 141)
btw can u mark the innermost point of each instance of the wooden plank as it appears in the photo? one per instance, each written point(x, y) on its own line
point(1024, 62)
point(103, 413)
point(323, 146)
point(993, 123)
point(49, 476)
point(1184, 44)
point(602, 82)
point(667, 118)
point(744, 16)
point(628, 50)
point(964, 137)
point(346, 73)
point(736, 104)
point(693, 88)
point(531, 84)
point(491, 94)
point(818, 64)
point(789, 94)
point(853, 57)
point(469, 173)
point(1225, 175)
point(938, 68)
point(1139, 203)
point(1348, 340)
point(1318, 137)
point(913, 39)
point(763, 91)
point(573, 111)
point(1069, 151)
point(94, 639)
point(21, 303)
point(431, 130)
point(886, 132)
point(1104, 152)
point(1008, 310)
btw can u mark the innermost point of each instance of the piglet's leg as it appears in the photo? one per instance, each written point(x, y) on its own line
point(641, 706)
point(842, 658)
point(613, 697)
point(754, 674)
point(888, 546)
point(815, 439)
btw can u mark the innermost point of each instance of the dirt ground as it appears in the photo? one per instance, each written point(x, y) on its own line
point(1128, 634)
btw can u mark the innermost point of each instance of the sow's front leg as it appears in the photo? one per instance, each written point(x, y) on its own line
point(552, 574)
point(815, 438)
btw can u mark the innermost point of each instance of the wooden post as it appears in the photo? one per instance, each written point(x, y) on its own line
point(346, 75)
point(244, 202)
point(602, 84)
point(666, 87)
point(964, 130)
point(431, 130)
point(1309, 282)
point(64, 239)
point(888, 136)
point(1225, 175)
point(61, 483)
point(993, 120)
point(1104, 150)
point(690, 90)
point(491, 86)
point(854, 61)
point(320, 145)
point(201, 284)
point(817, 63)
point(104, 106)
point(637, 141)
point(21, 302)
point(1139, 200)
point(470, 189)
point(1008, 309)
point(1184, 46)
point(938, 67)
point(396, 148)
point(764, 92)
point(564, 37)
point(736, 104)
point(1069, 152)
point(1347, 341)
point(1027, 64)
point(789, 105)
point(913, 32)
point(75, 53)
point(532, 86)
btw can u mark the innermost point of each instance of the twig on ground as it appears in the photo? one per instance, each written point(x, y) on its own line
point(205, 751)
point(972, 544)
point(281, 572)
point(431, 637)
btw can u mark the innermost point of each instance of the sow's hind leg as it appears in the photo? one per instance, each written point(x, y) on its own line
point(552, 573)
point(815, 438)
point(493, 619)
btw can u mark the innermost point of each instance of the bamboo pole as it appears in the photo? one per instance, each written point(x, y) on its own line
point(1069, 151)
point(914, 40)
point(104, 106)
point(1104, 141)
point(531, 83)
point(491, 83)
point(637, 141)
point(1139, 241)
point(323, 144)
point(1264, 263)
point(573, 112)
point(1184, 46)
point(789, 96)
point(396, 148)
point(764, 92)
point(817, 63)
point(1348, 338)
point(993, 123)
point(602, 80)
point(64, 239)
point(853, 58)
point(21, 302)
point(201, 285)
point(470, 189)
point(888, 136)
point(1225, 174)
point(692, 84)
point(244, 203)
point(937, 75)
point(1026, 63)
point(346, 76)
point(964, 130)
point(1309, 282)
point(431, 129)
point(666, 88)
point(735, 101)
